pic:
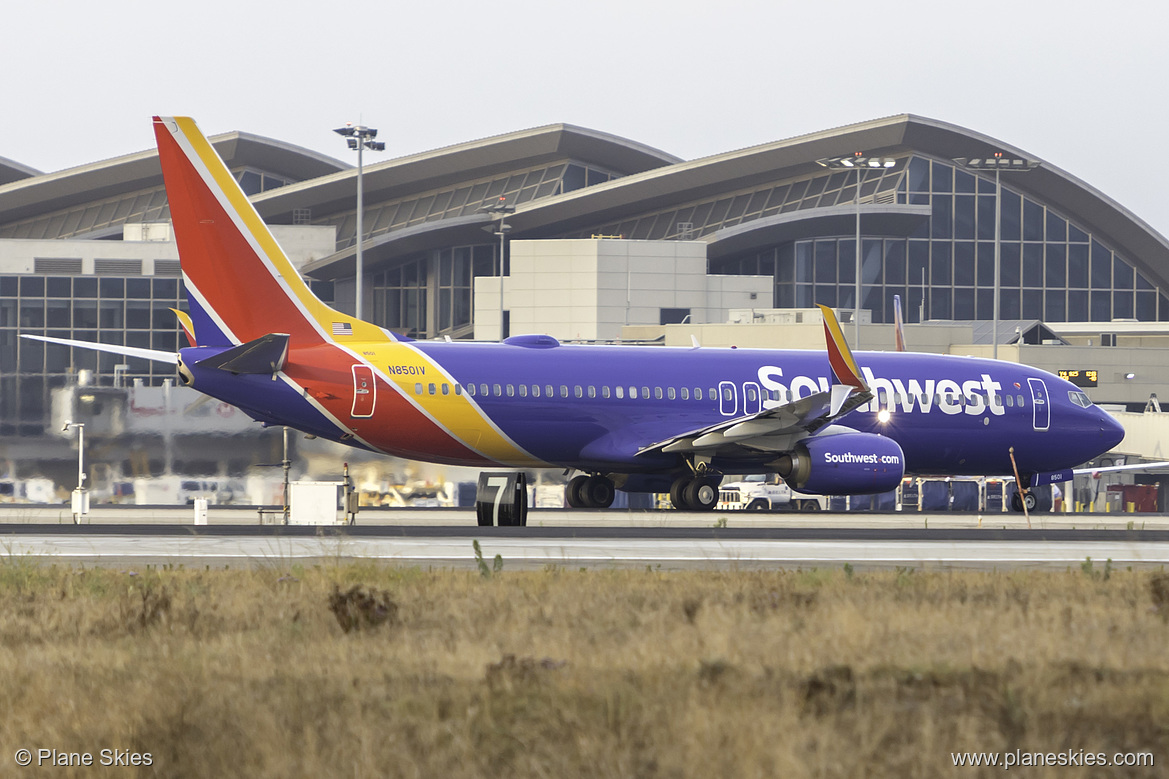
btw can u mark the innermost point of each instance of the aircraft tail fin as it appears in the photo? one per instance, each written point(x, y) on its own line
point(240, 284)
point(844, 367)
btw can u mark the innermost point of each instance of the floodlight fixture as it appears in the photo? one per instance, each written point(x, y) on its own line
point(359, 137)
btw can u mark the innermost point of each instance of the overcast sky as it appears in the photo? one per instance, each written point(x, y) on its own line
point(1080, 84)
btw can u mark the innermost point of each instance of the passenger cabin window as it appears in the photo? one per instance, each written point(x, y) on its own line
point(483, 389)
point(446, 389)
point(458, 389)
point(671, 393)
point(658, 393)
point(685, 393)
point(592, 391)
point(1019, 401)
point(431, 388)
point(578, 391)
point(511, 390)
point(523, 390)
point(498, 390)
point(605, 391)
point(418, 389)
point(535, 390)
point(698, 393)
point(620, 392)
point(548, 393)
point(564, 390)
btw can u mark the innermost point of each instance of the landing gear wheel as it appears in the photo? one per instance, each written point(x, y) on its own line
point(597, 492)
point(573, 492)
point(677, 493)
point(1016, 502)
point(1031, 501)
point(701, 495)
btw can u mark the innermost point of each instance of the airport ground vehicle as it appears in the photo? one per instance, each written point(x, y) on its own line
point(763, 492)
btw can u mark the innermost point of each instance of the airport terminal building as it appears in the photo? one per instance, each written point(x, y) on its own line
point(605, 233)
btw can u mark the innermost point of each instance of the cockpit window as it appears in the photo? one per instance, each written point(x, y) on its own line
point(1079, 398)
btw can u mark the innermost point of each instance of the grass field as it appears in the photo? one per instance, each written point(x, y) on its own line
point(364, 670)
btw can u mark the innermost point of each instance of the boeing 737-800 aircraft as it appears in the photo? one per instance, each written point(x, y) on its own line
point(634, 418)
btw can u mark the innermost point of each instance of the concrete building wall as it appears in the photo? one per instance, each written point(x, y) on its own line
point(589, 289)
point(302, 244)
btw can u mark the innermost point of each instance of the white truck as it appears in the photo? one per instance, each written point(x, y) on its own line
point(765, 492)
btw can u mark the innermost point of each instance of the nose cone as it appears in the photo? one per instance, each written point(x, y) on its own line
point(1111, 431)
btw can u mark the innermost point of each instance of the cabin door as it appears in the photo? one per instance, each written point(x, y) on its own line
point(364, 391)
point(1040, 404)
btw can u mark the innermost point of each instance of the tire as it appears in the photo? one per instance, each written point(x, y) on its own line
point(758, 505)
point(1016, 502)
point(811, 506)
point(1032, 501)
point(574, 492)
point(597, 493)
point(701, 495)
point(678, 494)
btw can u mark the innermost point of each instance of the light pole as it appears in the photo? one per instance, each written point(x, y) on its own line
point(997, 162)
point(360, 137)
point(500, 209)
point(860, 162)
point(80, 496)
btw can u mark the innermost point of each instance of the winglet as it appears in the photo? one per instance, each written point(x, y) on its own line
point(187, 325)
point(898, 324)
point(844, 368)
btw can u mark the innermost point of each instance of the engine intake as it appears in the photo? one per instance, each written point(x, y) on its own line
point(843, 464)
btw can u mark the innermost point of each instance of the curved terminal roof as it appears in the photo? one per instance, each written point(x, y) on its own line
point(663, 186)
point(398, 178)
point(646, 181)
point(11, 170)
point(891, 136)
point(49, 192)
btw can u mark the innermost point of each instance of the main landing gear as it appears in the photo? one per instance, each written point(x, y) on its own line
point(696, 492)
point(589, 492)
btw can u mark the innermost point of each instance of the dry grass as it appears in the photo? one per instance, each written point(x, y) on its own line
point(563, 673)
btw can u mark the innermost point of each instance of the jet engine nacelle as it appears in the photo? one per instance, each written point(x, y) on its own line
point(844, 464)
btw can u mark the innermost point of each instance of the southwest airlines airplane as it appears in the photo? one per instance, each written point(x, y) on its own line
point(634, 418)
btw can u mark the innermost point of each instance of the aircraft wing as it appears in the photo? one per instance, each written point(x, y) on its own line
point(777, 429)
point(773, 429)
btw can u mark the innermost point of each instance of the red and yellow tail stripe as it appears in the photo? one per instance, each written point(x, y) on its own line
point(230, 256)
point(242, 280)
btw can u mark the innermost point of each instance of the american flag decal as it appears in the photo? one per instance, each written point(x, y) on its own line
point(342, 328)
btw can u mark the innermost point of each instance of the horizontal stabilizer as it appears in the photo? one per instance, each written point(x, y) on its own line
point(126, 351)
point(264, 355)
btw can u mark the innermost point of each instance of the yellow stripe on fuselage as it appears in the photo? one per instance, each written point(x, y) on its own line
point(243, 208)
point(407, 367)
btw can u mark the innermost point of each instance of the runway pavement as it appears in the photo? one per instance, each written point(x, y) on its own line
point(605, 539)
